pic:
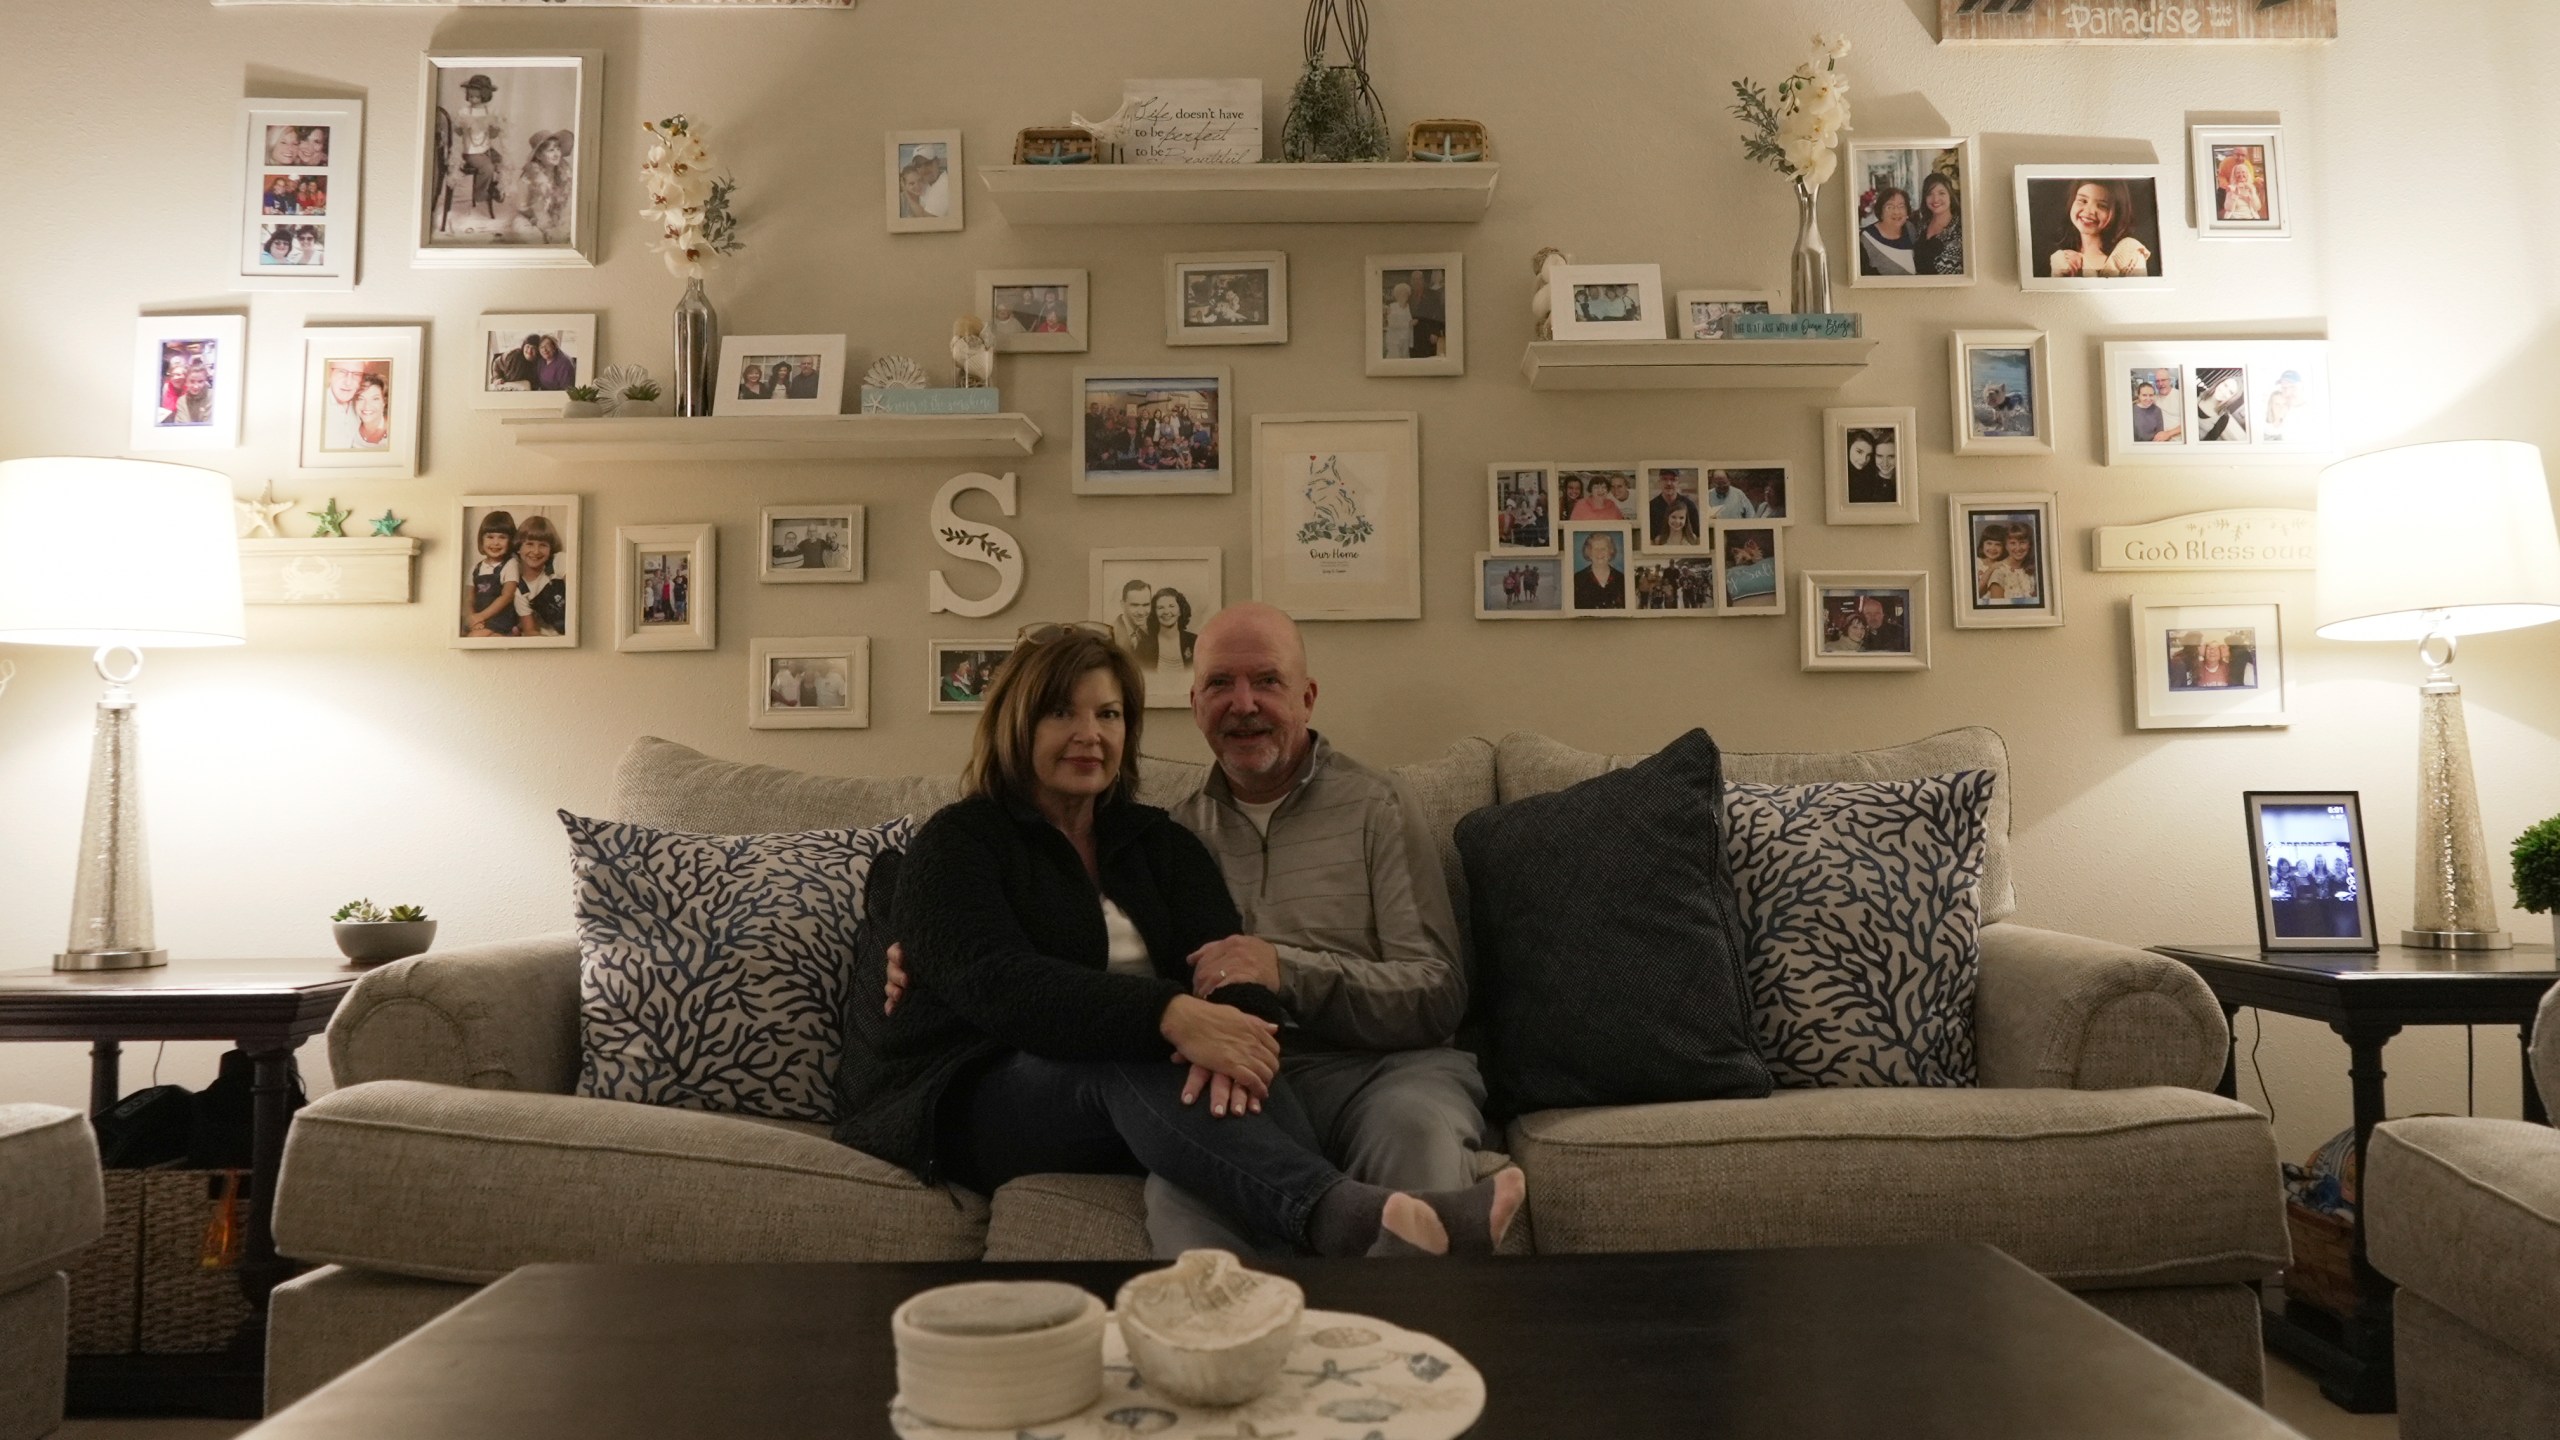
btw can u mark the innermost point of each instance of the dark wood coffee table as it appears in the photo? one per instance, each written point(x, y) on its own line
point(1911, 1342)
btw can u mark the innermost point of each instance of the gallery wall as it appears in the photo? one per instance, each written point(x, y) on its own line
point(351, 751)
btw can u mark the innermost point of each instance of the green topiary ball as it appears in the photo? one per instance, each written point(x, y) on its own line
point(2537, 873)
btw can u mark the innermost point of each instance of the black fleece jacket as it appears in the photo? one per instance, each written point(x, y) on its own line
point(1005, 950)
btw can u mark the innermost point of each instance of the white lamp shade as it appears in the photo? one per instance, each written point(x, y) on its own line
point(117, 552)
point(2454, 537)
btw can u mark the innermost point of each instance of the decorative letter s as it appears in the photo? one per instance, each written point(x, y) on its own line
point(969, 540)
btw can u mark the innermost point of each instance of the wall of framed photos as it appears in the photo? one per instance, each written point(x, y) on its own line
point(355, 751)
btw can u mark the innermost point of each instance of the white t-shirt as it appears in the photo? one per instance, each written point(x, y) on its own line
point(1260, 814)
point(1128, 952)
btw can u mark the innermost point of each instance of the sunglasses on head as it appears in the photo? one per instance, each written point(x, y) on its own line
point(1042, 632)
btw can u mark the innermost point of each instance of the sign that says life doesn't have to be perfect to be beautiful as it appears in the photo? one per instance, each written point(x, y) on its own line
point(1191, 122)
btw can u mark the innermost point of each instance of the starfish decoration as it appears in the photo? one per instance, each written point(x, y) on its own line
point(333, 521)
point(1332, 1371)
point(258, 517)
point(389, 524)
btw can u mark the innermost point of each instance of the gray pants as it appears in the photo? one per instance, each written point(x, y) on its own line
point(1408, 1120)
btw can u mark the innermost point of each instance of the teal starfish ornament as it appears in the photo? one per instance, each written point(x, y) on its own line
point(389, 524)
point(333, 521)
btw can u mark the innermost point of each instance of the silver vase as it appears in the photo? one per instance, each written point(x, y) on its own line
point(697, 350)
point(1809, 268)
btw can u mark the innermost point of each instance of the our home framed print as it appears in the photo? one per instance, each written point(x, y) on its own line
point(506, 158)
point(1337, 515)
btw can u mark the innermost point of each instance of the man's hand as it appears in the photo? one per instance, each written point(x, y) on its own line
point(897, 979)
point(1226, 1097)
point(1236, 960)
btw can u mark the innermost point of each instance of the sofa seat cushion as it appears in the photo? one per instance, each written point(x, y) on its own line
point(2094, 1190)
point(2467, 1213)
point(445, 1183)
point(51, 1201)
point(1069, 1217)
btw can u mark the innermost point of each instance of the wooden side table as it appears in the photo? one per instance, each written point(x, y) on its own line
point(266, 1007)
point(2367, 999)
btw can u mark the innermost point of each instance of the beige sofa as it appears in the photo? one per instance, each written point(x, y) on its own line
point(52, 1206)
point(2465, 1215)
point(2091, 1150)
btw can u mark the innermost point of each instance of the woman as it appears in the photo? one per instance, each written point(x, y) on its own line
point(2102, 240)
point(1398, 341)
point(1570, 491)
point(751, 383)
point(1599, 584)
point(515, 369)
point(1677, 532)
point(373, 413)
point(2221, 410)
point(554, 371)
point(1043, 923)
point(1939, 250)
point(1164, 652)
point(1889, 238)
point(1597, 503)
point(1989, 587)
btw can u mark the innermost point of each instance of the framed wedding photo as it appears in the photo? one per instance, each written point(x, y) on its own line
point(1514, 585)
point(1337, 515)
point(2004, 561)
point(1871, 467)
point(926, 189)
point(1909, 213)
point(961, 671)
point(506, 159)
point(518, 560)
point(779, 375)
point(1754, 571)
point(816, 682)
point(1870, 620)
point(188, 375)
point(2217, 402)
point(1035, 310)
point(2209, 662)
point(1417, 314)
point(810, 544)
point(2240, 182)
point(529, 362)
point(300, 181)
point(1163, 431)
point(2307, 866)
point(1708, 314)
point(361, 387)
point(1608, 302)
point(665, 587)
point(1155, 600)
point(1240, 298)
point(2003, 392)
point(2092, 227)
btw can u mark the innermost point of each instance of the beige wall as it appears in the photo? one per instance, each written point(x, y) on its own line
point(348, 751)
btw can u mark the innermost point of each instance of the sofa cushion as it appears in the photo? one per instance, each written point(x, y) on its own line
point(674, 787)
point(712, 967)
point(2093, 1189)
point(1530, 764)
point(1862, 899)
point(2467, 1213)
point(1609, 941)
point(51, 1200)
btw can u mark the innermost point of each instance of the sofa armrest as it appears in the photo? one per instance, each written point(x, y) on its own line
point(501, 1016)
point(2066, 1012)
point(2546, 1052)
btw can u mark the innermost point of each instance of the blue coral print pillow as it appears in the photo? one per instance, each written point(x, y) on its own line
point(1863, 899)
point(712, 968)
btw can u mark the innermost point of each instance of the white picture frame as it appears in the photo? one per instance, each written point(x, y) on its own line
point(1752, 568)
point(1337, 515)
point(2249, 153)
point(337, 433)
point(1613, 597)
point(1856, 482)
point(1986, 370)
point(328, 260)
point(1873, 169)
point(1123, 414)
point(1768, 493)
point(2044, 195)
point(2285, 412)
point(1238, 297)
point(499, 380)
point(1415, 330)
point(810, 544)
point(952, 688)
point(1702, 314)
point(1190, 571)
point(831, 675)
point(1518, 585)
point(1839, 624)
point(666, 587)
point(756, 362)
point(1582, 290)
point(2019, 585)
point(524, 222)
point(1520, 504)
point(189, 373)
point(1578, 481)
point(562, 515)
point(941, 204)
point(1655, 521)
point(2173, 687)
point(1064, 297)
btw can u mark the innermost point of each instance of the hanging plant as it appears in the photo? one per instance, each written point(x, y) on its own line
point(1334, 113)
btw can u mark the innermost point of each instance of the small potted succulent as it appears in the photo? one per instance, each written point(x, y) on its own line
point(586, 402)
point(643, 397)
point(368, 934)
point(2537, 874)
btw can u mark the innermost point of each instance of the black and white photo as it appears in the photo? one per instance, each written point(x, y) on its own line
point(2309, 863)
point(505, 159)
point(1155, 602)
point(1240, 298)
point(1872, 461)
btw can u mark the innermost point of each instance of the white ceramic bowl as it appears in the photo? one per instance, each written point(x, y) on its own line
point(998, 1354)
point(1208, 1331)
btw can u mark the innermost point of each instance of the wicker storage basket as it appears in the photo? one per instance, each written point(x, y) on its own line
point(145, 1287)
point(2323, 1272)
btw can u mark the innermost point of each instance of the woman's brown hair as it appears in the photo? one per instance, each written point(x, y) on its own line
point(1038, 677)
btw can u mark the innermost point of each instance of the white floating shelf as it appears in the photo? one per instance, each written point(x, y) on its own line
point(781, 437)
point(1411, 191)
point(337, 571)
point(1695, 364)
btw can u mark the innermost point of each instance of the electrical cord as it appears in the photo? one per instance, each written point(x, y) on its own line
point(2470, 1071)
point(2257, 1036)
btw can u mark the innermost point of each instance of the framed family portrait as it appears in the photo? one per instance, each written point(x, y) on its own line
point(188, 375)
point(1871, 467)
point(1608, 302)
point(1417, 314)
point(2004, 561)
point(815, 682)
point(300, 182)
point(519, 567)
point(1157, 431)
point(1599, 490)
point(1155, 600)
point(1671, 586)
point(1524, 507)
point(779, 375)
point(2092, 227)
point(529, 362)
point(1512, 585)
point(2307, 871)
point(1337, 515)
point(2003, 392)
point(1708, 314)
point(2218, 402)
point(2209, 662)
point(665, 587)
point(810, 544)
point(1597, 555)
point(1241, 298)
point(1866, 620)
point(506, 158)
point(1753, 569)
point(2239, 182)
point(1035, 310)
point(360, 394)
point(1908, 212)
point(925, 186)
point(960, 673)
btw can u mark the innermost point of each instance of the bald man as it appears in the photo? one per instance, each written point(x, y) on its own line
point(1347, 917)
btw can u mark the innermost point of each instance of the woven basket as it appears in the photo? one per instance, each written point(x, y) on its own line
point(106, 1278)
point(2323, 1272)
point(144, 1287)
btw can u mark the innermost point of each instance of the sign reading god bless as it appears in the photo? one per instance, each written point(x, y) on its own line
point(2135, 21)
point(1191, 122)
point(2214, 540)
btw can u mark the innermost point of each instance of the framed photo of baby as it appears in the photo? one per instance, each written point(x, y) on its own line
point(1240, 298)
point(1417, 314)
point(360, 393)
point(1909, 212)
point(518, 567)
point(2239, 182)
point(666, 587)
point(529, 362)
point(506, 159)
point(299, 177)
point(2004, 566)
point(817, 682)
point(2003, 397)
point(187, 381)
point(926, 192)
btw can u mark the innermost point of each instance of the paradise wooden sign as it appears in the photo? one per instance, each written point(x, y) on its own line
point(2128, 22)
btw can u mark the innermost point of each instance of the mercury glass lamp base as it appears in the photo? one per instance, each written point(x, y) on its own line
point(2457, 940)
point(110, 959)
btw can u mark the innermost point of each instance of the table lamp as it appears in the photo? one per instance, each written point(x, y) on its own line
point(2430, 543)
point(115, 555)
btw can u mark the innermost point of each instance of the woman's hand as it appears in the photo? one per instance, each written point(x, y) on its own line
point(1223, 1041)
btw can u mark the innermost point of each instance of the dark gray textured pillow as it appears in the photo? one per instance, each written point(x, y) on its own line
point(1610, 945)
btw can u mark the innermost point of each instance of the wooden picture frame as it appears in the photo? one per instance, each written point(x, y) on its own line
point(672, 604)
point(830, 674)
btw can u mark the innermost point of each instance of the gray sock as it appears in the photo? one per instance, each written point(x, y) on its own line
point(1466, 1214)
point(1345, 1219)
